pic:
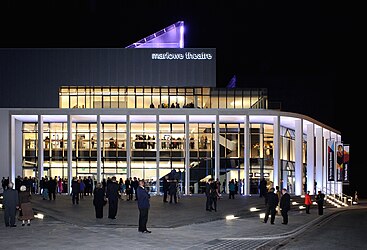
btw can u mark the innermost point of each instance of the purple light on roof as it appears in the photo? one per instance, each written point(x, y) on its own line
point(182, 36)
point(169, 37)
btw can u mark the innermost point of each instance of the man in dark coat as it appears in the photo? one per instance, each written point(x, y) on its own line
point(99, 200)
point(173, 190)
point(165, 188)
point(285, 205)
point(75, 189)
point(208, 195)
point(134, 185)
point(320, 202)
point(11, 204)
point(271, 202)
point(262, 187)
point(112, 195)
point(143, 205)
point(52, 184)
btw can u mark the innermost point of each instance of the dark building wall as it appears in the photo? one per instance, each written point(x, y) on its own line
point(32, 77)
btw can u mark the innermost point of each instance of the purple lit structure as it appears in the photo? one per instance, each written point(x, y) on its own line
point(169, 37)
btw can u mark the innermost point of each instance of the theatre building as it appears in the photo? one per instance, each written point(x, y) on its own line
point(148, 108)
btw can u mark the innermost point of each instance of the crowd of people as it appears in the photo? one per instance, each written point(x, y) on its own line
point(109, 191)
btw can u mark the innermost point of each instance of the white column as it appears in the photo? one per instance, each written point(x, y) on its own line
point(276, 151)
point(310, 158)
point(217, 148)
point(12, 151)
point(339, 183)
point(128, 147)
point(246, 160)
point(326, 183)
point(261, 151)
point(298, 157)
point(187, 155)
point(335, 182)
point(40, 148)
point(70, 152)
point(99, 148)
point(319, 157)
point(157, 156)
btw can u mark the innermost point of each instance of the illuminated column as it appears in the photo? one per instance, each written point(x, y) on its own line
point(339, 183)
point(310, 158)
point(326, 183)
point(12, 151)
point(246, 160)
point(157, 156)
point(217, 148)
point(261, 151)
point(319, 156)
point(128, 147)
point(70, 152)
point(40, 148)
point(334, 184)
point(99, 148)
point(187, 155)
point(276, 151)
point(298, 157)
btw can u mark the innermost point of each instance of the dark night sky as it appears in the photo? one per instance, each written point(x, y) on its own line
point(304, 53)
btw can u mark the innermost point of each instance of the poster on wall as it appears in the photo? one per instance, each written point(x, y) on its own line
point(339, 161)
point(346, 163)
point(330, 160)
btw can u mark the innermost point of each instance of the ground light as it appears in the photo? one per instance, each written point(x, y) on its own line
point(262, 215)
point(302, 207)
point(1, 205)
point(39, 216)
point(231, 217)
point(295, 203)
point(254, 209)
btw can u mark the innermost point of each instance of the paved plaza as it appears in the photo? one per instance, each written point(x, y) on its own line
point(185, 225)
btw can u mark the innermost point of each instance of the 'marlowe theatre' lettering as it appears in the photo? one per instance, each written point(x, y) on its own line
point(182, 56)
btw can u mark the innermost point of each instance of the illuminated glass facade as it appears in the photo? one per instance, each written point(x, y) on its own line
point(161, 97)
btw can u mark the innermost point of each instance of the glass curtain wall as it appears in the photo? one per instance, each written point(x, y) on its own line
point(261, 155)
point(161, 97)
point(201, 155)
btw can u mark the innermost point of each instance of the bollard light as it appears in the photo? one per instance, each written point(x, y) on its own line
point(39, 216)
point(262, 215)
point(231, 217)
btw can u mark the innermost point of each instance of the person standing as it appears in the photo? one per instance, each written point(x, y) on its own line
point(99, 200)
point(271, 202)
point(308, 202)
point(11, 204)
point(75, 189)
point(143, 206)
point(52, 184)
point(232, 189)
point(263, 188)
point(214, 194)
point(112, 195)
point(285, 205)
point(165, 188)
point(134, 185)
point(279, 194)
point(207, 194)
point(173, 190)
point(320, 202)
point(25, 206)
